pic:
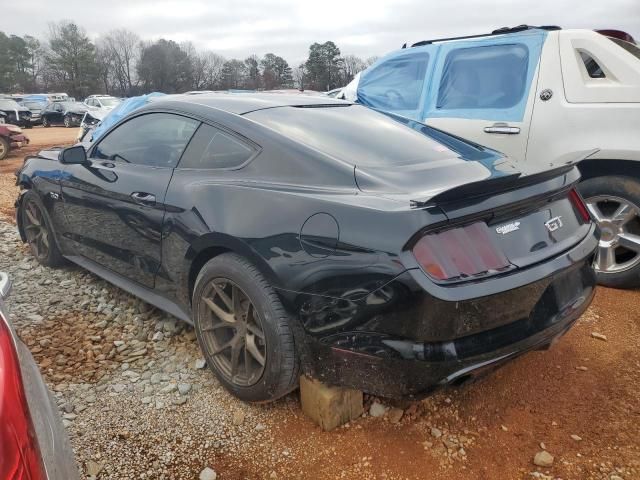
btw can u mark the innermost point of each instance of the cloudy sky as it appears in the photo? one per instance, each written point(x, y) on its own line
point(237, 28)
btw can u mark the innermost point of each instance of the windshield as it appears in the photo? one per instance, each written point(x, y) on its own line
point(33, 105)
point(361, 136)
point(629, 47)
point(70, 105)
point(8, 104)
point(109, 101)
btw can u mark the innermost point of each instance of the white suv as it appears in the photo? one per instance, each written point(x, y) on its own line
point(543, 96)
point(102, 102)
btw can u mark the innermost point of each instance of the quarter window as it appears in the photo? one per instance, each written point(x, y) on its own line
point(484, 77)
point(155, 139)
point(593, 69)
point(395, 84)
point(213, 148)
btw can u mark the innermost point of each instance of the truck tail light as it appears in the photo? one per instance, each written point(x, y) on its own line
point(19, 452)
point(460, 253)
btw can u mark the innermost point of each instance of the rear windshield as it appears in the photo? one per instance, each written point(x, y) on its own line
point(628, 46)
point(361, 136)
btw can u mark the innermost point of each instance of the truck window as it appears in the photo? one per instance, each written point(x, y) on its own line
point(593, 69)
point(395, 84)
point(485, 77)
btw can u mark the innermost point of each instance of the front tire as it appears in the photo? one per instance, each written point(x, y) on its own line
point(45, 122)
point(614, 204)
point(67, 121)
point(38, 231)
point(243, 330)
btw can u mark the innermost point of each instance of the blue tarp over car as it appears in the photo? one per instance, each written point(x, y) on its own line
point(121, 111)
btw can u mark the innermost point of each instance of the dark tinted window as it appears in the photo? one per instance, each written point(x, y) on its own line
point(212, 148)
point(628, 46)
point(395, 84)
point(593, 69)
point(355, 134)
point(155, 139)
point(484, 77)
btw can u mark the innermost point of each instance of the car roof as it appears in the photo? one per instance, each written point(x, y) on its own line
point(241, 103)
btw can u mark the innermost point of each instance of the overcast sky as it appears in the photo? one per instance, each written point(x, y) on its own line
point(237, 28)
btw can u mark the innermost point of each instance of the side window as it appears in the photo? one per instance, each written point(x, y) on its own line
point(154, 139)
point(484, 77)
point(395, 84)
point(593, 69)
point(213, 148)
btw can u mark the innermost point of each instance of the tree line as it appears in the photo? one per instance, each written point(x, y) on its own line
point(121, 63)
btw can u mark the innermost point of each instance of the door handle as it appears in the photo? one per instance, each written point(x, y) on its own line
point(144, 198)
point(502, 128)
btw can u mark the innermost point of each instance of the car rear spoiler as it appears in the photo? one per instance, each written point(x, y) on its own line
point(500, 184)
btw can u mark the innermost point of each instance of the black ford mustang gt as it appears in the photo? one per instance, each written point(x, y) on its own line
point(309, 234)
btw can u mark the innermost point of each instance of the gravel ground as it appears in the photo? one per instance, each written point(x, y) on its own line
point(139, 402)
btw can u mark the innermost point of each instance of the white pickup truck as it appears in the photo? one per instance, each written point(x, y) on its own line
point(545, 97)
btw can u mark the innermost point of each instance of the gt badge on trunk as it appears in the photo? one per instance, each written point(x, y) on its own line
point(554, 224)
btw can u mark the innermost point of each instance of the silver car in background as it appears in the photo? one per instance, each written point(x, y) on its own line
point(33, 442)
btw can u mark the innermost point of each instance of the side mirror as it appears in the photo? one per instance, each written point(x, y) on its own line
point(75, 155)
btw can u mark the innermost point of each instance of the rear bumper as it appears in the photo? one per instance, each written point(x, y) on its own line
point(422, 342)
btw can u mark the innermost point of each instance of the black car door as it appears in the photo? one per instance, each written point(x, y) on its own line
point(114, 205)
point(58, 113)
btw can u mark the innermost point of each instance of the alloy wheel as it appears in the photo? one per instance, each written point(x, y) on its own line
point(619, 222)
point(67, 122)
point(231, 332)
point(36, 230)
point(3, 150)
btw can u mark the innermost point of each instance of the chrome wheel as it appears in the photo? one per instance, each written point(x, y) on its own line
point(619, 222)
point(35, 230)
point(231, 332)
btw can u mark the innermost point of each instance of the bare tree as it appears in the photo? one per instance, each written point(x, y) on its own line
point(351, 65)
point(123, 49)
point(213, 65)
point(300, 76)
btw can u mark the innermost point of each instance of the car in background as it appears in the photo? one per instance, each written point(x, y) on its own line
point(90, 121)
point(102, 102)
point(333, 93)
point(15, 113)
point(47, 97)
point(11, 138)
point(302, 234)
point(543, 96)
point(36, 108)
point(64, 113)
point(33, 442)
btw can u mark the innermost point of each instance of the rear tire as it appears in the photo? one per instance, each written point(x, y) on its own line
point(230, 292)
point(67, 121)
point(37, 229)
point(5, 148)
point(614, 203)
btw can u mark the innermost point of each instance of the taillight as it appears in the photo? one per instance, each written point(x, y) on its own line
point(19, 452)
point(578, 202)
point(460, 253)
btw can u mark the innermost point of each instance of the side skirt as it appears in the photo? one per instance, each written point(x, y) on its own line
point(144, 293)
